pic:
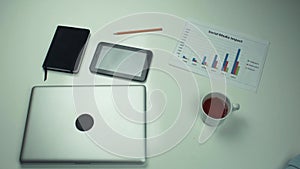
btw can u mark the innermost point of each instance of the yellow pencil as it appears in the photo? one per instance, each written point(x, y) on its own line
point(138, 31)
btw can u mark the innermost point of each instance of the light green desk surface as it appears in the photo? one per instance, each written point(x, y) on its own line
point(263, 134)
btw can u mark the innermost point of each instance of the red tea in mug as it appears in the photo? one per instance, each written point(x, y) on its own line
point(215, 107)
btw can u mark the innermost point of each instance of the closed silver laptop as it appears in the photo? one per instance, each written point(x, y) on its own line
point(85, 124)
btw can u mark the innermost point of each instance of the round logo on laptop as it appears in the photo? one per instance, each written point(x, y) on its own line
point(84, 122)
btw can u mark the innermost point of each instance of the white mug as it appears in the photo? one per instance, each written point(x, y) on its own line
point(210, 117)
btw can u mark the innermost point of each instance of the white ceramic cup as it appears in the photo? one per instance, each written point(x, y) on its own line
point(212, 121)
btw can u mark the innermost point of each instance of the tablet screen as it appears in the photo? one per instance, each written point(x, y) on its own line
point(121, 61)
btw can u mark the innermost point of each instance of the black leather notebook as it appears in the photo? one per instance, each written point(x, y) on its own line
point(66, 50)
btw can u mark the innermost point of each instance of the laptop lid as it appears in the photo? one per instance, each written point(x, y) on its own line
point(85, 124)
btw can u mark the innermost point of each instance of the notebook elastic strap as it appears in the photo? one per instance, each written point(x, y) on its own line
point(45, 74)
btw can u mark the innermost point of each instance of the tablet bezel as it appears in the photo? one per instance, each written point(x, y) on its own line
point(146, 66)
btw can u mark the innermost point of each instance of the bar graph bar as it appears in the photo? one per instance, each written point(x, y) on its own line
point(236, 67)
point(215, 62)
point(225, 64)
point(204, 61)
point(236, 70)
point(194, 60)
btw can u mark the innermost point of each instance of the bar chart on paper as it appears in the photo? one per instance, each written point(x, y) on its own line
point(206, 51)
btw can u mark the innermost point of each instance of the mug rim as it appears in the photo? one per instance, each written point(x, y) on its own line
point(227, 101)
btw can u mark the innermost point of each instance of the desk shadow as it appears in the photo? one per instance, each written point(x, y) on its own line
point(233, 127)
point(82, 166)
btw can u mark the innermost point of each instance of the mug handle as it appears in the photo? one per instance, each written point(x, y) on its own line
point(235, 106)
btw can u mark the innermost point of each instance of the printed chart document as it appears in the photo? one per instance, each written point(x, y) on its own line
point(205, 50)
